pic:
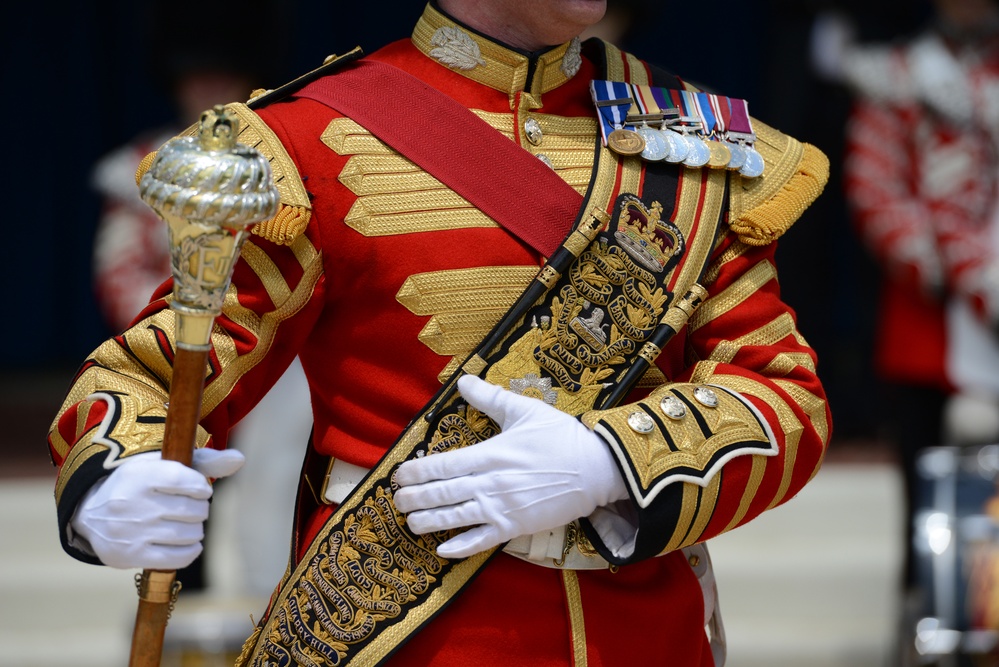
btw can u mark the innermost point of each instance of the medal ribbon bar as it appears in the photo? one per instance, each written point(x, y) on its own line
point(698, 129)
point(613, 101)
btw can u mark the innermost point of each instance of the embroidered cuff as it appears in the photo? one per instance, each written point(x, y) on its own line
point(129, 426)
point(680, 433)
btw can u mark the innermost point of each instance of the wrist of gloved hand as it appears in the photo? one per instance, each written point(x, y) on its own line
point(544, 469)
point(150, 513)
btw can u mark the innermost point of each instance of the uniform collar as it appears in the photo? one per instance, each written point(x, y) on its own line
point(481, 59)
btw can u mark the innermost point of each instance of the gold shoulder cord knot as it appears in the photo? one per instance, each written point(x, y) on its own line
point(764, 224)
point(285, 226)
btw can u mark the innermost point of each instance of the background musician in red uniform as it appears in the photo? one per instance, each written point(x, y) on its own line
point(920, 177)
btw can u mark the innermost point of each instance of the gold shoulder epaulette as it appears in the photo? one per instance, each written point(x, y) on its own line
point(763, 208)
point(295, 210)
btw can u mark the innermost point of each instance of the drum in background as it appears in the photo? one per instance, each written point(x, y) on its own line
point(956, 534)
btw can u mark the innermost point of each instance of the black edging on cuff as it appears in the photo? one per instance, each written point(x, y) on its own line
point(656, 523)
point(82, 480)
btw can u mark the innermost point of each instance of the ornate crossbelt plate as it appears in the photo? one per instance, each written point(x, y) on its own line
point(367, 583)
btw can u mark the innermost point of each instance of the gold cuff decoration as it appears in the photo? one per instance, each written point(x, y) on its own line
point(680, 433)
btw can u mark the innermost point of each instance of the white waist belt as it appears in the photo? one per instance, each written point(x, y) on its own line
point(547, 547)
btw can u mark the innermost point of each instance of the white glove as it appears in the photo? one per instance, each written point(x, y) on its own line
point(544, 470)
point(150, 513)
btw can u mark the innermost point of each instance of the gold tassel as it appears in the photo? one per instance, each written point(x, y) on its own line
point(763, 224)
point(284, 227)
point(248, 646)
point(144, 165)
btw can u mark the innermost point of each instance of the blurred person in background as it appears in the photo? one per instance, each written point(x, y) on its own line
point(131, 258)
point(921, 178)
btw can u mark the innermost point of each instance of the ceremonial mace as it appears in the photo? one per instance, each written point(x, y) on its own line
point(209, 189)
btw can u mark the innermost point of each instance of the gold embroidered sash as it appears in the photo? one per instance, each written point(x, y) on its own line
point(366, 583)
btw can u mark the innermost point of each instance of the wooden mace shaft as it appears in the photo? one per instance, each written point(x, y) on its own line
point(156, 587)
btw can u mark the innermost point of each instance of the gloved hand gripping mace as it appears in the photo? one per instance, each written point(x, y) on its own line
point(209, 190)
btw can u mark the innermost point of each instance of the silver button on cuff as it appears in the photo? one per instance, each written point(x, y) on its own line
point(547, 160)
point(673, 407)
point(706, 397)
point(641, 422)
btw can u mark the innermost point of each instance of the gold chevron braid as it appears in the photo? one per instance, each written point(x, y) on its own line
point(453, 334)
point(464, 304)
point(464, 290)
point(397, 197)
point(366, 175)
point(417, 221)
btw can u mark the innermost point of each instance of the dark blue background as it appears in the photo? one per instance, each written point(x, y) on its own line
point(77, 84)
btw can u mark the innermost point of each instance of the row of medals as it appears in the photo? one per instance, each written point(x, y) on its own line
point(681, 143)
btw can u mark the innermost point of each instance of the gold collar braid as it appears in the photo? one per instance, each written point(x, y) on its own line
point(478, 58)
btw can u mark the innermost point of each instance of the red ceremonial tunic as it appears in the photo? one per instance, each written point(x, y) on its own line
point(370, 374)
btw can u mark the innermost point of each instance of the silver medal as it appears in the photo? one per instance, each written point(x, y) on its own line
point(738, 155)
point(754, 163)
point(655, 146)
point(672, 145)
point(682, 146)
point(699, 154)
